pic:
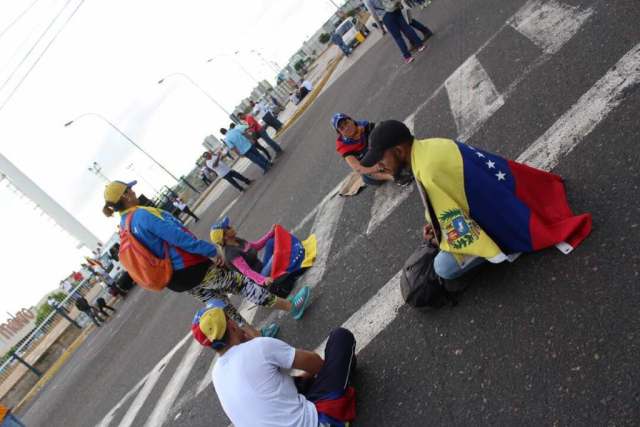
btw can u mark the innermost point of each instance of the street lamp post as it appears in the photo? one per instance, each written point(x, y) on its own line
point(142, 177)
point(271, 64)
point(96, 169)
point(211, 98)
point(125, 136)
point(233, 58)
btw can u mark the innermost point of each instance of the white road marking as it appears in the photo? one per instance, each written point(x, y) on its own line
point(387, 198)
point(374, 316)
point(472, 96)
point(172, 389)
point(549, 24)
point(141, 398)
point(592, 107)
point(106, 421)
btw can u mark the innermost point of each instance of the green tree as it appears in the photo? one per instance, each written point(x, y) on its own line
point(45, 309)
point(324, 38)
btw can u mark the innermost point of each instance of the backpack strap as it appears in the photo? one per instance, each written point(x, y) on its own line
point(431, 215)
point(127, 227)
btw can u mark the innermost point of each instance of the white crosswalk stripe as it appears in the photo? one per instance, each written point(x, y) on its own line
point(472, 96)
point(473, 99)
point(549, 24)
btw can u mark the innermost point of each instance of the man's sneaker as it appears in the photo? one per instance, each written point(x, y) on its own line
point(408, 60)
point(299, 302)
point(270, 330)
point(421, 48)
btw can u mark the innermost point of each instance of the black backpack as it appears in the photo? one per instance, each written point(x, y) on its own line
point(419, 283)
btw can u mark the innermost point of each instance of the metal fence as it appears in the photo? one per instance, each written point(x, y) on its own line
point(29, 349)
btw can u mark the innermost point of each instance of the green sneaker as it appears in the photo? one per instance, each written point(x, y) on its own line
point(270, 330)
point(299, 302)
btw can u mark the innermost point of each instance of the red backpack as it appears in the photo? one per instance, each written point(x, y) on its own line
point(146, 269)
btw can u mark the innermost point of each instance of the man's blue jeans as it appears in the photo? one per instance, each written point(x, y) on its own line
point(258, 159)
point(266, 138)
point(446, 266)
point(397, 25)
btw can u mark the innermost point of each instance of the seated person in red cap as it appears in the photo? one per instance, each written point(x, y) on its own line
point(353, 143)
point(253, 386)
point(243, 254)
point(196, 266)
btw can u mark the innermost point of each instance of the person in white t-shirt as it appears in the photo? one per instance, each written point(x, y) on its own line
point(225, 172)
point(182, 206)
point(253, 386)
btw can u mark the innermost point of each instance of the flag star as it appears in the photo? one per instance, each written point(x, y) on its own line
point(479, 154)
point(501, 176)
point(490, 164)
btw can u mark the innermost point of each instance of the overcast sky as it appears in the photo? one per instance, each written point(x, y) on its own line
point(107, 58)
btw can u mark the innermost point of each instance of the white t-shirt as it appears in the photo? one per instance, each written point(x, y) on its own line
point(255, 392)
point(221, 169)
point(307, 85)
point(179, 204)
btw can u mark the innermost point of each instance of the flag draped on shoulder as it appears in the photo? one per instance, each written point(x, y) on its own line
point(492, 207)
point(290, 254)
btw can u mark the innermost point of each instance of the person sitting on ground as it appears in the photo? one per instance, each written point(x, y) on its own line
point(101, 304)
point(197, 267)
point(480, 206)
point(260, 132)
point(352, 145)
point(242, 255)
point(252, 383)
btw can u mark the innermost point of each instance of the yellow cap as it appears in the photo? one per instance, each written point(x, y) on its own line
point(115, 189)
point(213, 324)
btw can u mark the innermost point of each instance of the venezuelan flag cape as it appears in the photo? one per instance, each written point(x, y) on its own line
point(289, 253)
point(491, 207)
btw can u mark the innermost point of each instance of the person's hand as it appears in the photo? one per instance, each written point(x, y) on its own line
point(428, 233)
point(218, 261)
point(268, 281)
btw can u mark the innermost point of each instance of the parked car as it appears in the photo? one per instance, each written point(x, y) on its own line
point(348, 30)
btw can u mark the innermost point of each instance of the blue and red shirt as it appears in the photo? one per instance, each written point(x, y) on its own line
point(152, 227)
point(355, 146)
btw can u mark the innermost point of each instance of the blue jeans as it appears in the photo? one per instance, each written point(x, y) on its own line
point(258, 159)
point(11, 421)
point(266, 138)
point(446, 266)
point(267, 258)
point(397, 25)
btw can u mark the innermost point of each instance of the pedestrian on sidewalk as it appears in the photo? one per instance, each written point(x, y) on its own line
point(254, 140)
point(251, 376)
point(263, 111)
point(260, 132)
point(101, 304)
point(238, 140)
point(182, 206)
point(225, 172)
point(83, 305)
point(481, 206)
point(206, 175)
point(390, 12)
point(196, 266)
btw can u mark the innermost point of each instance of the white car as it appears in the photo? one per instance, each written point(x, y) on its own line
point(347, 30)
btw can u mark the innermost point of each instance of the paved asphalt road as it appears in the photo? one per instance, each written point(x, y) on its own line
point(550, 339)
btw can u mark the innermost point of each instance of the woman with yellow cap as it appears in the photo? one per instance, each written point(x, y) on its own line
point(196, 266)
point(284, 255)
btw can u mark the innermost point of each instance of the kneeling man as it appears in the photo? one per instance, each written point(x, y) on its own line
point(253, 387)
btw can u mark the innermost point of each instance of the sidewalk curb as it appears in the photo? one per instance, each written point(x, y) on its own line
point(53, 370)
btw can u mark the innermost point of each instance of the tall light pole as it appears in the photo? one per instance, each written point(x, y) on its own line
point(271, 64)
point(132, 168)
point(233, 58)
point(125, 136)
point(211, 98)
point(96, 169)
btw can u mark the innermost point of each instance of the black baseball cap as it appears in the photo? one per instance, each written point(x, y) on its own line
point(385, 135)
